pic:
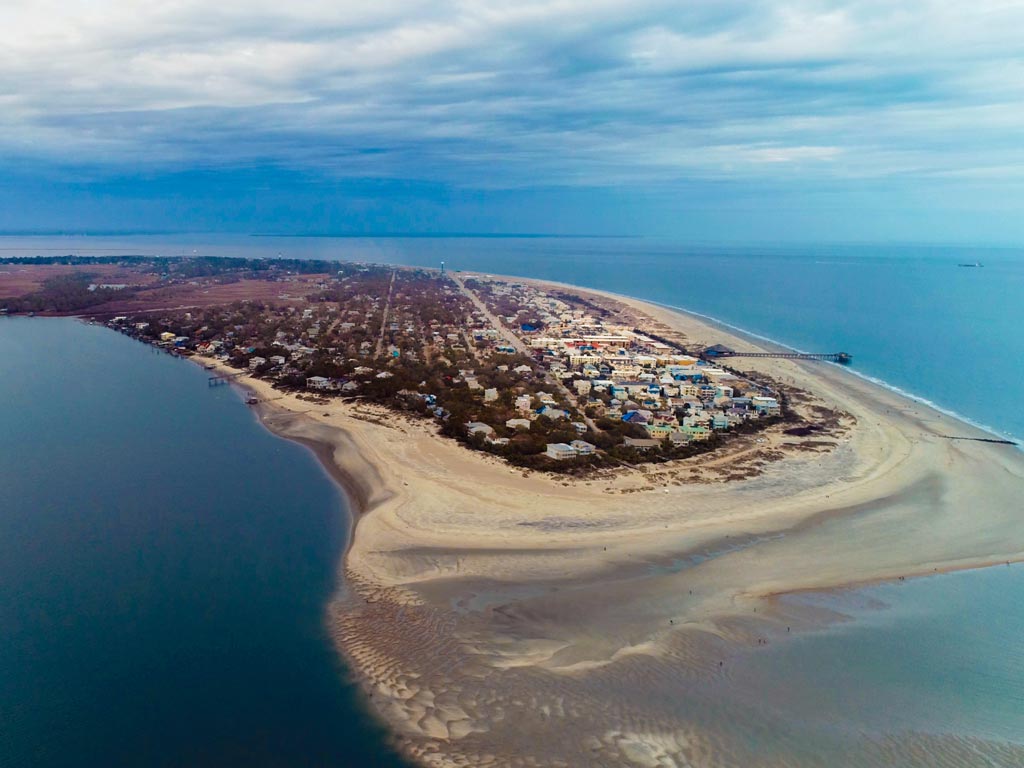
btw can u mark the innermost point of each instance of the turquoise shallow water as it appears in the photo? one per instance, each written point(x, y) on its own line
point(941, 655)
point(164, 566)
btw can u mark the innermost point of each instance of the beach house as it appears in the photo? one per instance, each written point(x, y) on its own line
point(564, 451)
point(583, 448)
point(479, 428)
point(560, 451)
point(659, 431)
point(766, 406)
point(642, 443)
point(552, 413)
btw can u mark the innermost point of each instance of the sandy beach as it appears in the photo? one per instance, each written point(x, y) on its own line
point(497, 618)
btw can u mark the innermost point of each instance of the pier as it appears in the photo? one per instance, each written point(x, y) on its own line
point(994, 440)
point(222, 379)
point(718, 351)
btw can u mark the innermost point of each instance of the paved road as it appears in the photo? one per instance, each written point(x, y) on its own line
point(518, 344)
point(384, 321)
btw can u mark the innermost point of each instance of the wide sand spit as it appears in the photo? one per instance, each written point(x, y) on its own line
point(497, 618)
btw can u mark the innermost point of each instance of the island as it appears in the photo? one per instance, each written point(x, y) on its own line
point(569, 514)
point(545, 378)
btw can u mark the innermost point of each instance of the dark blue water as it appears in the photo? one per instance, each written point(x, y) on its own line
point(164, 566)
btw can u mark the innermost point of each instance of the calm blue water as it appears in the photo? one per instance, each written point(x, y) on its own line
point(936, 655)
point(945, 651)
point(164, 566)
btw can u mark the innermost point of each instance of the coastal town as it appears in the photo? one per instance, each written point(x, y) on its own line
point(543, 378)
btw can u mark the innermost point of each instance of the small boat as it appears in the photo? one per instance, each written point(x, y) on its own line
point(251, 400)
point(209, 366)
point(975, 264)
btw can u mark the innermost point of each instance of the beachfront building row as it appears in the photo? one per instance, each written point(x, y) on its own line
point(573, 450)
point(615, 370)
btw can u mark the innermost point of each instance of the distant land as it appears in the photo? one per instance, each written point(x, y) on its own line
point(341, 234)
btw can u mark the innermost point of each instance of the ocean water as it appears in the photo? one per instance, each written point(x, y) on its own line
point(164, 566)
point(940, 655)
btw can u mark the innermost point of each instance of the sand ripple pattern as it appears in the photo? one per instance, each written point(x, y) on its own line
point(428, 674)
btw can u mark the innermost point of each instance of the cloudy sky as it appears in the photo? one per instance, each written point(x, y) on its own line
point(699, 119)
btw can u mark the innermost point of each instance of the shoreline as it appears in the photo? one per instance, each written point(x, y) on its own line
point(347, 476)
point(772, 344)
point(339, 457)
point(765, 340)
point(757, 338)
point(420, 565)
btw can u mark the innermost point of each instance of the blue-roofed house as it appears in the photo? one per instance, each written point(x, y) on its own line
point(637, 417)
point(552, 413)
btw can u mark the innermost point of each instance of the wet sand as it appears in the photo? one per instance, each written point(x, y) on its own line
point(502, 619)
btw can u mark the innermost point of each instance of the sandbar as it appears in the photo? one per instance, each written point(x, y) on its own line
point(496, 617)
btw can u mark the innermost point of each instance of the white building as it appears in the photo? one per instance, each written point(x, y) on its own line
point(319, 382)
point(583, 448)
point(565, 451)
point(560, 451)
point(479, 428)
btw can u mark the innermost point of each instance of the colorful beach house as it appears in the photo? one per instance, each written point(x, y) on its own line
point(637, 417)
point(696, 433)
point(766, 406)
point(659, 431)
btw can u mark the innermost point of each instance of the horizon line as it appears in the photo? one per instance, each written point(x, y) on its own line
point(514, 236)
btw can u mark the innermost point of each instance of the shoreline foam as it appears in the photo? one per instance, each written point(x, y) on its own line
point(759, 338)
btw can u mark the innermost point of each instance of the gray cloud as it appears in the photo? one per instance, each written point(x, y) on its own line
point(494, 94)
